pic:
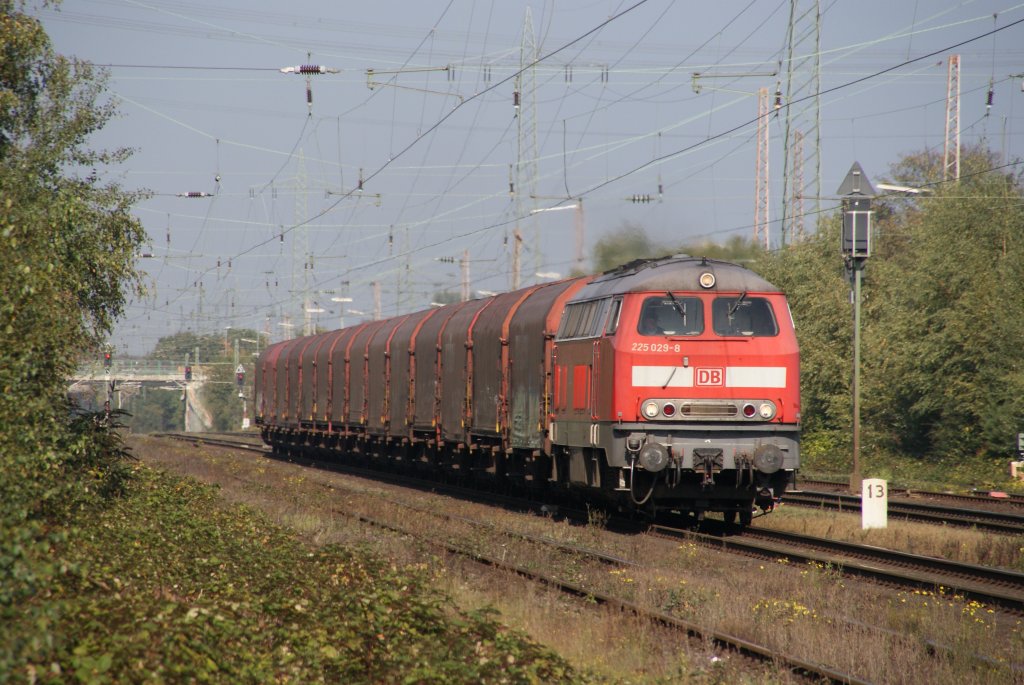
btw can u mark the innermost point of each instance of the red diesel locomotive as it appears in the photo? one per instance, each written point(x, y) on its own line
point(663, 384)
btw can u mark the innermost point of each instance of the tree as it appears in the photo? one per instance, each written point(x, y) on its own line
point(629, 242)
point(942, 369)
point(811, 274)
point(948, 312)
point(737, 249)
point(156, 410)
point(69, 245)
point(179, 346)
point(446, 297)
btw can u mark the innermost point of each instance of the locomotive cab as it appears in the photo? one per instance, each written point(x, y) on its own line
point(677, 387)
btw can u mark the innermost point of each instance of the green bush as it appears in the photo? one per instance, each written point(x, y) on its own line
point(170, 584)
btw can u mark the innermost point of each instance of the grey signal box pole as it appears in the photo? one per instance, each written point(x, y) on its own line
point(856, 192)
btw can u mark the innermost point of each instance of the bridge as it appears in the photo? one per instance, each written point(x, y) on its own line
point(125, 377)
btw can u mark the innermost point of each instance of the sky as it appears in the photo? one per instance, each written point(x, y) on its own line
point(441, 129)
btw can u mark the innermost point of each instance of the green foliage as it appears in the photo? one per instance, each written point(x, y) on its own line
point(220, 396)
point(632, 242)
point(446, 297)
point(181, 346)
point(69, 242)
point(942, 369)
point(946, 306)
point(231, 597)
point(155, 410)
point(629, 242)
point(811, 274)
point(737, 249)
point(83, 467)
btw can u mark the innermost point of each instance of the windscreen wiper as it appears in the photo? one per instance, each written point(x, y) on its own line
point(736, 305)
point(678, 305)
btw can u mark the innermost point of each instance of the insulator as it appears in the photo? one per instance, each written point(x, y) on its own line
point(515, 99)
point(309, 94)
point(988, 100)
point(778, 98)
point(218, 262)
point(311, 69)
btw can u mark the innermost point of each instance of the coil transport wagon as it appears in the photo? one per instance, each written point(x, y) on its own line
point(663, 384)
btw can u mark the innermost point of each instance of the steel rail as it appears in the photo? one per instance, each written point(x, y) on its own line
point(1004, 589)
point(1000, 498)
point(994, 521)
point(809, 670)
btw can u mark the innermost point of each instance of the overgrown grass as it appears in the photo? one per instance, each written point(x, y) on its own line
point(170, 584)
point(829, 457)
point(813, 610)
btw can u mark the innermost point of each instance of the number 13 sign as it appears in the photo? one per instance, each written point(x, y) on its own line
point(874, 503)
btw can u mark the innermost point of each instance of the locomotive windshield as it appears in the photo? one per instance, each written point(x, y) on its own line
point(742, 315)
point(671, 315)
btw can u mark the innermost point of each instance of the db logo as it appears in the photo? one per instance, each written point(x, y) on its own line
point(710, 376)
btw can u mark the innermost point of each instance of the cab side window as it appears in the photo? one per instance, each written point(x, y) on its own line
point(583, 319)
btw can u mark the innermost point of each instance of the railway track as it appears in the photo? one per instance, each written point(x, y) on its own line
point(998, 587)
point(979, 497)
point(1004, 522)
point(808, 670)
point(995, 587)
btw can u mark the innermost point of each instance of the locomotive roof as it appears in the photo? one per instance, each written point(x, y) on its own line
point(678, 272)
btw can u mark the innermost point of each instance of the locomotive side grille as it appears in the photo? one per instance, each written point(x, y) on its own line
point(708, 409)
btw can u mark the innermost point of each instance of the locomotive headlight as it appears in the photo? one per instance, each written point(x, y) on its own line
point(707, 280)
point(650, 409)
point(653, 457)
point(766, 410)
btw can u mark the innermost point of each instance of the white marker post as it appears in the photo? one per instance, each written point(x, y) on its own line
point(874, 503)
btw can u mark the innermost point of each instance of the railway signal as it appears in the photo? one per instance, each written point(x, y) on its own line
point(106, 360)
point(188, 372)
point(856, 192)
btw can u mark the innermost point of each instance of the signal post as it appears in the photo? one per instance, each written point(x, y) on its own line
point(856, 192)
